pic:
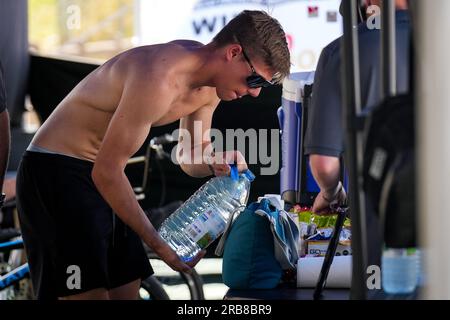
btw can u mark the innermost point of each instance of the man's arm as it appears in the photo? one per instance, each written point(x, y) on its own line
point(195, 152)
point(326, 171)
point(324, 133)
point(5, 141)
point(126, 132)
point(194, 142)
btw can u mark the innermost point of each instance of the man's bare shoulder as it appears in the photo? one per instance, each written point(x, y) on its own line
point(186, 43)
point(152, 54)
point(154, 62)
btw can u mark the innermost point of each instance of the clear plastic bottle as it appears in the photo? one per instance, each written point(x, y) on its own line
point(203, 217)
point(400, 268)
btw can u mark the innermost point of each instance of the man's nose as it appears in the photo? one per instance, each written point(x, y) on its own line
point(254, 92)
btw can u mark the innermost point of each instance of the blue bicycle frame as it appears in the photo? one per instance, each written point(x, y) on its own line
point(18, 273)
point(14, 276)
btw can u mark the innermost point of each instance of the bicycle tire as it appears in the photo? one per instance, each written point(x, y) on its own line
point(193, 281)
point(154, 289)
point(195, 284)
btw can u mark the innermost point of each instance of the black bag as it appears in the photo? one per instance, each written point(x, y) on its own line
point(389, 169)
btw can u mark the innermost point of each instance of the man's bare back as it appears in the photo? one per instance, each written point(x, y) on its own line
point(79, 123)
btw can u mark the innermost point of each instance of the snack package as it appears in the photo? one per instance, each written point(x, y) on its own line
point(316, 231)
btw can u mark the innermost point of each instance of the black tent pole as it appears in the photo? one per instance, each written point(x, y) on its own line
point(388, 57)
point(351, 98)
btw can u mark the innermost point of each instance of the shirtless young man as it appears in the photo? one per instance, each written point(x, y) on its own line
point(72, 179)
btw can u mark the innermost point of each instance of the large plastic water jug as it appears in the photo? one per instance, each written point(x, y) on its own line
point(203, 217)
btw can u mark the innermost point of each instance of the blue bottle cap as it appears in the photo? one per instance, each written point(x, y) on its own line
point(250, 176)
point(234, 172)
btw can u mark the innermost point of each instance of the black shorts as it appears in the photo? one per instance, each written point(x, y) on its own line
point(74, 242)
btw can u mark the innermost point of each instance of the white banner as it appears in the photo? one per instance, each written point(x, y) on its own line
point(309, 24)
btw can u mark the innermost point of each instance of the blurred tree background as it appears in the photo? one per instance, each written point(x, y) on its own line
point(89, 28)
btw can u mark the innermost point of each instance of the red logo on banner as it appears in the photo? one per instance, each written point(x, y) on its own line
point(313, 11)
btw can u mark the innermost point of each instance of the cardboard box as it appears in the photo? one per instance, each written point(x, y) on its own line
point(320, 248)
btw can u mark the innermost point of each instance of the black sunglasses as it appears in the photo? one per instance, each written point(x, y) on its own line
point(255, 80)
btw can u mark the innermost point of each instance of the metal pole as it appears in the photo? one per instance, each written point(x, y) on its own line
point(388, 57)
point(433, 118)
point(137, 35)
point(302, 164)
point(353, 154)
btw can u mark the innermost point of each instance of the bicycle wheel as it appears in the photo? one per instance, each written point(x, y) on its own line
point(195, 284)
point(152, 289)
point(178, 285)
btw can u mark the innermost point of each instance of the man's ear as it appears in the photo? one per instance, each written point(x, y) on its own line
point(233, 51)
